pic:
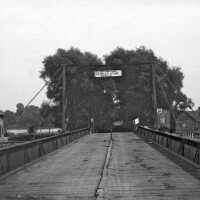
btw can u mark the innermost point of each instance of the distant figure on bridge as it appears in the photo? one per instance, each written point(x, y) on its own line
point(91, 125)
point(2, 128)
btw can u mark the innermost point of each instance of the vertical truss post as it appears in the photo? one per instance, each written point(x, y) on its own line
point(64, 98)
point(154, 96)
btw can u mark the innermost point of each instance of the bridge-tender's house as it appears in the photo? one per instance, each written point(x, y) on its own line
point(188, 121)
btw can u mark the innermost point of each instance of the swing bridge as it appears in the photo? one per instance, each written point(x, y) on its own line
point(141, 164)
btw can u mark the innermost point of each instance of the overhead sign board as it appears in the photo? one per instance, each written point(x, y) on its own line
point(118, 123)
point(108, 73)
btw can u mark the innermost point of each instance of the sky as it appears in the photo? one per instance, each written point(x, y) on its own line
point(34, 29)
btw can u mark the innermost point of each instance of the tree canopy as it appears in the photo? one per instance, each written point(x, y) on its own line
point(85, 95)
point(94, 98)
point(135, 87)
point(29, 116)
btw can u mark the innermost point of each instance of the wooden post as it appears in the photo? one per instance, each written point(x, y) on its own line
point(63, 97)
point(172, 119)
point(154, 96)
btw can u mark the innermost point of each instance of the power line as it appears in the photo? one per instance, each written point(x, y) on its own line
point(40, 90)
point(37, 93)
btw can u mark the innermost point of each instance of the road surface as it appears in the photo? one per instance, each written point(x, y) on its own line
point(96, 167)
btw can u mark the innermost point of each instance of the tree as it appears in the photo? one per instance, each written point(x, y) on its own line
point(31, 117)
point(85, 97)
point(27, 116)
point(135, 87)
point(20, 108)
point(18, 114)
point(10, 119)
point(47, 115)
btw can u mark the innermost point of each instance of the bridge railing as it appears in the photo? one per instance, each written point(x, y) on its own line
point(15, 156)
point(187, 148)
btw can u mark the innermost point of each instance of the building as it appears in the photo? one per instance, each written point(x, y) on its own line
point(2, 128)
point(188, 122)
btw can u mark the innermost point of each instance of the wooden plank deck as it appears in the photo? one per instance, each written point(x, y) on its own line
point(72, 172)
point(137, 171)
point(134, 171)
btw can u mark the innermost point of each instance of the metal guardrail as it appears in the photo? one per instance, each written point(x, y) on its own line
point(20, 154)
point(187, 148)
point(191, 134)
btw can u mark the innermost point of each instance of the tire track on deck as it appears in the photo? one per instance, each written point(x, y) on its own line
point(99, 191)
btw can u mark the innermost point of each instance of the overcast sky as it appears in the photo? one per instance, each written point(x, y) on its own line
point(33, 29)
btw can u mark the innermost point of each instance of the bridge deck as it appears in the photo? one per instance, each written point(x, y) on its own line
point(134, 170)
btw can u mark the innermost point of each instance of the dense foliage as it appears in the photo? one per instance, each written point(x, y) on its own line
point(86, 97)
point(30, 116)
point(135, 87)
point(94, 98)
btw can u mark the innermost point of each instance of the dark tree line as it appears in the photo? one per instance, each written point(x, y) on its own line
point(135, 88)
point(30, 116)
point(94, 98)
point(85, 95)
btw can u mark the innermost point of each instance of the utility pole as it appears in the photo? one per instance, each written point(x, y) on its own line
point(154, 96)
point(64, 97)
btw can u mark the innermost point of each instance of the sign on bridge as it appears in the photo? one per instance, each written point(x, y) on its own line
point(108, 73)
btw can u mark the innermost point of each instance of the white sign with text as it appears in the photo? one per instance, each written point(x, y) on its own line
point(108, 73)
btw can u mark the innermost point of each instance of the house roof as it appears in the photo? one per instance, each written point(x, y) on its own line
point(194, 115)
point(1, 113)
